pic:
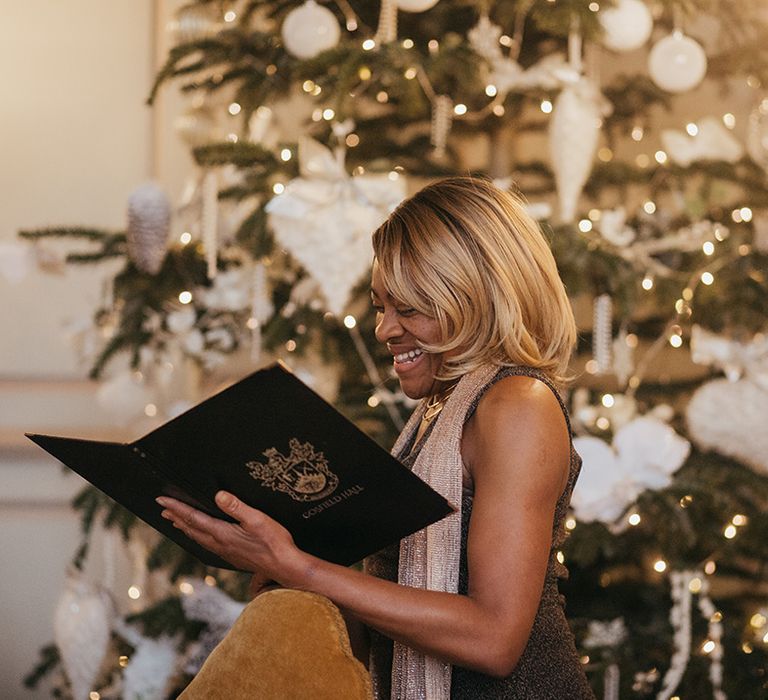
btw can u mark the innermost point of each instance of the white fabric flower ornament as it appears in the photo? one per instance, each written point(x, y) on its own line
point(644, 455)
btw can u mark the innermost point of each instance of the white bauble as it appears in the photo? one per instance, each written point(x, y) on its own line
point(150, 668)
point(729, 418)
point(149, 222)
point(309, 30)
point(626, 26)
point(677, 63)
point(81, 627)
point(415, 5)
point(573, 134)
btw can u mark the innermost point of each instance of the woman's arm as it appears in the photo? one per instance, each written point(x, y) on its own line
point(517, 448)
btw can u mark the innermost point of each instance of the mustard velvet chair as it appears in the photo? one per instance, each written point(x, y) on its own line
point(286, 645)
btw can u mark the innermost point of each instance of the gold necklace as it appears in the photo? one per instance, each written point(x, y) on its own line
point(435, 404)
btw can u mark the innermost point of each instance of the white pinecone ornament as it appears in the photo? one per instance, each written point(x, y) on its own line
point(573, 135)
point(149, 221)
point(82, 627)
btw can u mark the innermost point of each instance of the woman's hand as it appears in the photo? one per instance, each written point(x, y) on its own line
point(254, 543)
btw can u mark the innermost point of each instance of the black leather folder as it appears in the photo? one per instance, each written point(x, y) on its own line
point(279, 447)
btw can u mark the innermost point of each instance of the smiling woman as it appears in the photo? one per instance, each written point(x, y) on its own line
point(471, 307)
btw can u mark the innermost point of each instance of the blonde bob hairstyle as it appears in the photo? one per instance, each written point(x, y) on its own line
point(467, 254)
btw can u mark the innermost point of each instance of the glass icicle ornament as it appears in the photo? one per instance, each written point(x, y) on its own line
point(210, 219)
point(442, 118)
point(149, 221)
point(193, 22)
point(757, 135)
point(602, 334)
point(387, 29)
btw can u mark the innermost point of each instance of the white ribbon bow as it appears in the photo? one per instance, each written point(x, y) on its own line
point(734, 358)
point(711, 142)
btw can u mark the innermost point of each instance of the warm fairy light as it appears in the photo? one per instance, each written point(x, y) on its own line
point(433, 45)
point(373, 401)
point(647, 283)
point(134, 592)
point(328, 114)
point(290, 345)
point(570, 523)
point(738, 520)
point(736, 216)
point(234, 109)
point(708, 247)
point(271, 69)
point(584, 659)
point(407, 43)
point(710, 567)
point(560, 557)
point(708, 646)
point(351, 24)
point(230, 16)
point(499, 110)
point(717, 616)
point(746, 214)
point(122, 661)
point(595, 215)
point(93, 695)
point(285, 154)
point(278, 188)
point(675, 340)
point(185, 237)
point(364, 73)
point(352, 140)
point(744, 249)
point(410, 73)
point(252, 323)
point(369, 44)
point(210, 580)
point(382, 97)
point(680, 306)
point(631, 340)
point(687, 294)
point(660, 565)
point(607, 400)
point(692, 129)
point(729, 120)
point(585, 225)
point(491, 90)
point(150, 410)
point(393, 175)
point(695, 584)
point(730, 532)
point(642, 160)
point(660, 157)
point(603, 423)
point(765, 638)
point(594, 6)
point(232, 137)
point(746, 648)
point(634, 519)
point(637, 133)
point(758, 620)
point(186, 588)
point(505, 40)
point(686, 500)
point(590, 367)
point(546, 106)
point(649, 207)
point(185, 297)
point(350, 321)
point(460, 109)
point(707, 278)
point(605, 154)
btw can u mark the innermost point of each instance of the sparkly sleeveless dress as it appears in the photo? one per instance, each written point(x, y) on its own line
point(549, 668)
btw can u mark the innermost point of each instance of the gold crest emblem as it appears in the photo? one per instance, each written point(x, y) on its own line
point(304, 474)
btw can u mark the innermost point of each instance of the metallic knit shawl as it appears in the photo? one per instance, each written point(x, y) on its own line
point(429, 558)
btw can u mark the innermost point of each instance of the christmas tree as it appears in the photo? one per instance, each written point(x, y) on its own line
point(637, 131)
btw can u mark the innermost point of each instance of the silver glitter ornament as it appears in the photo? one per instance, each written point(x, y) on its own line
point(149, 221)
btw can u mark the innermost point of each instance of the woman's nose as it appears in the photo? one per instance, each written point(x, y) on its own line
point(388, 327)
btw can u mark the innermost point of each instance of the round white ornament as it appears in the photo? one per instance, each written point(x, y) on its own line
point(626, 26)
point(194, 22)
point(81, 629)
point(309, 30)
point(677, 63)
point(415, 5)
